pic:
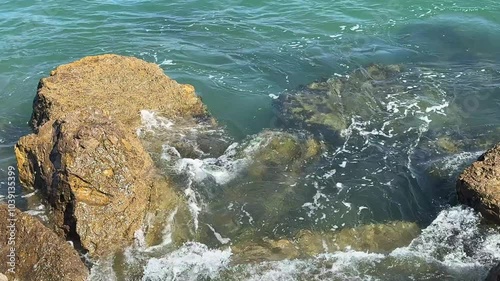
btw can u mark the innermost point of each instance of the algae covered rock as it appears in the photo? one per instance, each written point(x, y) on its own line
point(39, 254)
point(371, 237)
point(479, 185)
point(328, 106)
point(378, 99)
point(283, 152)
point(270, 167)
point(374, 238)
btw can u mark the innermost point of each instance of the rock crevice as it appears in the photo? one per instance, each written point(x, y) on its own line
point(84, 154)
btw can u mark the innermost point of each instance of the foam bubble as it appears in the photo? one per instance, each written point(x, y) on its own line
point(193, 261)
point(151, 122)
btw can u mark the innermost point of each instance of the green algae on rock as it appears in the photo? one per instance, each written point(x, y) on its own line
point(376, 94)
point(329, 105)
point(374, 238)
point(272, 164)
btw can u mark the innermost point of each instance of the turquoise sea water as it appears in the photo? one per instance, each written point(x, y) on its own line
point(240, 54)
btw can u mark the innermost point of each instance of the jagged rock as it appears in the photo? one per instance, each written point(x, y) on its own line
point(39, 253)
point(85, 155)
point(479, 185)
point(95, 175)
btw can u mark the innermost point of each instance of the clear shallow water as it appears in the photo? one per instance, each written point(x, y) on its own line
point(238, 54)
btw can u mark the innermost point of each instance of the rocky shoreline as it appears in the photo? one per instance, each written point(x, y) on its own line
point(97, 174)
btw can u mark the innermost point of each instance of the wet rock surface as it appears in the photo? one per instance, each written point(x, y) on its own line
point(374, 238)
point(85, 155)
point(265, 190)
point(479, 185)
point(328, 106)
point(40, 254)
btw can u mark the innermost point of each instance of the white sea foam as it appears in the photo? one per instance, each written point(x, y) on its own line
point(453, 244)
point(152, 122)
point(193, 261)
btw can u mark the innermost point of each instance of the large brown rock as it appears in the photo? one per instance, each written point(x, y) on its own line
point(95, 175)
point(479, 185)
point(39, 253)
point(120, 86)
point(85, 155)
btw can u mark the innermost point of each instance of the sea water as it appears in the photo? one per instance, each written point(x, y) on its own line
point(241, 57)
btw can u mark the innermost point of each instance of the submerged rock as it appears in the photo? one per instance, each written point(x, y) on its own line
point(479, 185)
point(383, 99)
point(378, 238)
point(374, 238)
point(328, 106)
point(283, 152)
point(85, 155)
point(39, 253)
point(270, 167)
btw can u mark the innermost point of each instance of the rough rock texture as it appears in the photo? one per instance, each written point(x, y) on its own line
point(40, 253)
point(85, 155)
point(120, 86)
point(479, 185)
point(95, 175)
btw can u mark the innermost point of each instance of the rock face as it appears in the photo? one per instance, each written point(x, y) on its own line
point(85, 155)
point(39, 253)
point(120, 86)
point(96, 176)
point(479, 185)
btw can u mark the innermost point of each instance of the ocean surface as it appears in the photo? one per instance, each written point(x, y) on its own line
point(399, 164)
